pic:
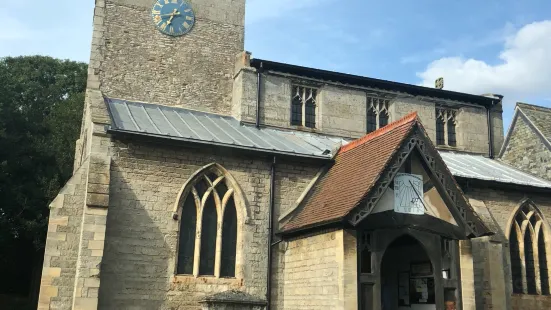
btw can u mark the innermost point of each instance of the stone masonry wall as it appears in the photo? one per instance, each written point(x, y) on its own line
point(471, 125)
point(527, 152)
point(312, 273)
point(341, 110)
point(497, 128)
point(62, 245)
point(401, 107)
point(472, 130)
point(195, 71)
point(141, 237)
point(503, 204)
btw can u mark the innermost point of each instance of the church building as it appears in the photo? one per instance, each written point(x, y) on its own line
point(205, 178)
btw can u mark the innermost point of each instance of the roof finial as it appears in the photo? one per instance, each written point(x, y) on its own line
point(439, 83)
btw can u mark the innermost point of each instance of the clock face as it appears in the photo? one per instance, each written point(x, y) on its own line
point(173, 17)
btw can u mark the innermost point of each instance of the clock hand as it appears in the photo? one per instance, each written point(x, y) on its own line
point(172, 16)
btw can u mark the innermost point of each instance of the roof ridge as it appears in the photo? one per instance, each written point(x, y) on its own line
point(380, 132)
point(533, 107)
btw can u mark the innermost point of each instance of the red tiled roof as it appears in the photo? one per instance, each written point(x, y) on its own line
point(357, 168)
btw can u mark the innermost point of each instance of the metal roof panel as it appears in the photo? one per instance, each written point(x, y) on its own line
point(188, 125)
point(183, 124)
point(482, 168)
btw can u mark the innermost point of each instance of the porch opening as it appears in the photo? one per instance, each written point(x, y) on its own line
point(407, 276)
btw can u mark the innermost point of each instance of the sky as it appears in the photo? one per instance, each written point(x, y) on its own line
point(489, 46)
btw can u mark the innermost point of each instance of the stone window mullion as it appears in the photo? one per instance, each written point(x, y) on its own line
point(522, 249)
point(446, 137)
point(547, 249)
point(303, 106)
point(199, 225)
point(536, 259)
point(218, 257)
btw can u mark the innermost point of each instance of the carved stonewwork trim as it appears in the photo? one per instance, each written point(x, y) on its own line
point(378, 104)
point(438, 168)
point(446, 114)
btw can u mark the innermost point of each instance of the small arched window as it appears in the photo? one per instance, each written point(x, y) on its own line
point(527, 243)
point(208, 216)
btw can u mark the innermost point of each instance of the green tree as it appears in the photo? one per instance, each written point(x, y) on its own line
point(41, 102)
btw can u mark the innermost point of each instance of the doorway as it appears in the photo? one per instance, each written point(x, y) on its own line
point(407, 276)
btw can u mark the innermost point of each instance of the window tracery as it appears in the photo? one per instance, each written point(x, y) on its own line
point(303, 106)
point(446, 126)
point(527, 244)
point(207, 241)
point(377, 113)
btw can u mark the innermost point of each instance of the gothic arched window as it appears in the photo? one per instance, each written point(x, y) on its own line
point(208, 216)
point(527, 243)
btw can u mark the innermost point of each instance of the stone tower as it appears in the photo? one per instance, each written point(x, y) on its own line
point(134, 60)
point(131, 59)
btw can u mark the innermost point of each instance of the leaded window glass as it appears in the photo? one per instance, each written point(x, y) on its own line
point(529, 262)
point(311, 110)
point(186, 241)
point(208, 238)
point(451, 133)
point(516, 262)
point(371, 120)
point(383, 119)
point(440, 140)
point(229, 240)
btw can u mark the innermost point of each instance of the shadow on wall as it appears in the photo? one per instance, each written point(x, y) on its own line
point(138, 261)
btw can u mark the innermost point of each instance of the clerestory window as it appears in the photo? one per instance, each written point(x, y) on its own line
point(303, 106)
point(377, 113)
point(445, 127)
